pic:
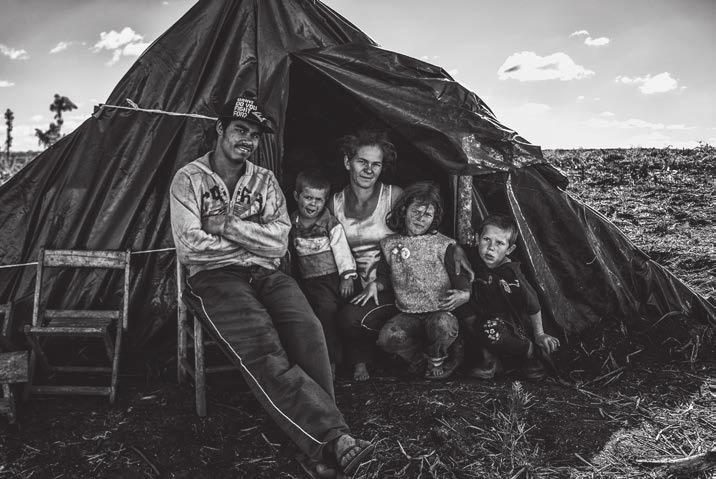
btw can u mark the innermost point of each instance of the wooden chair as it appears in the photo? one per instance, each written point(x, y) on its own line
point(106, 325)
point(13, 365)
point(189, 327)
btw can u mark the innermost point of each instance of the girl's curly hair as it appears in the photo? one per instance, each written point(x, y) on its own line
point(422, 193)
point(349, 144)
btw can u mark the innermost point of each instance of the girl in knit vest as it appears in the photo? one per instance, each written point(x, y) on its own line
point(420, 267)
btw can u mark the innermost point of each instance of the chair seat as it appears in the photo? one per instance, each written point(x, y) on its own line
point(13, 367)
point(76, 323)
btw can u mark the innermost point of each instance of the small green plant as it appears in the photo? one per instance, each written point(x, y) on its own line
point(511, 430)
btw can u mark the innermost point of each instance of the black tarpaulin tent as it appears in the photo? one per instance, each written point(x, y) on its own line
point(105, 186)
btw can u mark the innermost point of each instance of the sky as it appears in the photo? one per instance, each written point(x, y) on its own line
point(562, 73)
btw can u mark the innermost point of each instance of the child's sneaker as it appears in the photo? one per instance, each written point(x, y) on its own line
point(489, 371)
point(534, 370)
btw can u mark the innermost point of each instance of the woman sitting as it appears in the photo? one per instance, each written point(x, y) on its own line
point(361, 207)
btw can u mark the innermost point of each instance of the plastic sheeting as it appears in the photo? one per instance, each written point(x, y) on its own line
point(105, 186)
point(586, 271)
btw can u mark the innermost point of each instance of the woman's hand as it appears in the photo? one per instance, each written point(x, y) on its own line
point(370, 291)
point(462, 263)
point(453, 299)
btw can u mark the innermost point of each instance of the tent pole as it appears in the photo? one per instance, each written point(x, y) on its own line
point(465, 232)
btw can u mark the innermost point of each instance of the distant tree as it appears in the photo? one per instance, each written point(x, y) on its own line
point(9, 118)
point(59, 105)
point(49, 137)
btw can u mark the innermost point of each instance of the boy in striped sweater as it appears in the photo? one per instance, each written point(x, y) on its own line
point(326, 266)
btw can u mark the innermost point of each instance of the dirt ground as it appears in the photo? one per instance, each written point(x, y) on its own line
point(633, 411)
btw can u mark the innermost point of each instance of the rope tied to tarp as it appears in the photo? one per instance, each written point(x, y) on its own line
point(145, 251)
point(133, 106)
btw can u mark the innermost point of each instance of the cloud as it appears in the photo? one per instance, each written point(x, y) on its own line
point(580, 98)
point(453, 72)
point(112, 40)
point(657, 139)
point(631, 123)
point(126, 42)
point(37, 118)
point(5, 84)
point(61, 46)
point(649, 85)
point(528, 66)
point(532, 109)
point(13, 53)
point(134, 49)
point(592, 42)
point(596, 42)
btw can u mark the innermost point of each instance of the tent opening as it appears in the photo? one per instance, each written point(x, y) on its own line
point(319, 112)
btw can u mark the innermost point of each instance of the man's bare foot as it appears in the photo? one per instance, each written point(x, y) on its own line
point(360, 373)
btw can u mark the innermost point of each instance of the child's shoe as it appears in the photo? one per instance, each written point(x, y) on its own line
point(489, 368)
point(487, 372)
point(533, 370)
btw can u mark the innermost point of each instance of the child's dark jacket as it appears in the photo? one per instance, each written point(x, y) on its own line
point(505, 293)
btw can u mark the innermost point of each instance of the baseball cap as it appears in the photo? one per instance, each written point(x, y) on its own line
point(245, 108)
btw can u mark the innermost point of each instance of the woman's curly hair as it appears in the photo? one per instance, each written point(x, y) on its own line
point(422, 193)
point(349, 145)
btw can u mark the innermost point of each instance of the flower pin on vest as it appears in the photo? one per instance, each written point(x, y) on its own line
point(401, 251)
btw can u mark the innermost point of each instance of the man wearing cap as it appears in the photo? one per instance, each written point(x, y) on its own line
point(230, 228)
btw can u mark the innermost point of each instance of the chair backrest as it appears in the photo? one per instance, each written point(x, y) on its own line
point(93, 259)
point(85, 259)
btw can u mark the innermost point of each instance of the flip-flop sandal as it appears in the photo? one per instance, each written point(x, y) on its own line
point(364, 448)
point(315, 469)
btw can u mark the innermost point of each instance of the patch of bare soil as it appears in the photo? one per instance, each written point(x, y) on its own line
point(640, 405)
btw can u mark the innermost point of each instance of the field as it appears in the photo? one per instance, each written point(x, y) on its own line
point(645, 409)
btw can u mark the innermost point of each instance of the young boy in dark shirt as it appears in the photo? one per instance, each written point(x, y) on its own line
point(508, 320)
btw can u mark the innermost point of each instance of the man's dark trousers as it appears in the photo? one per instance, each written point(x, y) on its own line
point(264, 323)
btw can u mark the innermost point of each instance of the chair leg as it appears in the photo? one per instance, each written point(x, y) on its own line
point(199, 369)
point(181, 354)
point(27, 389)
point(182, 315)
point(108, 345)
point(115, 363)
point(37, 348)
point(9, 394)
